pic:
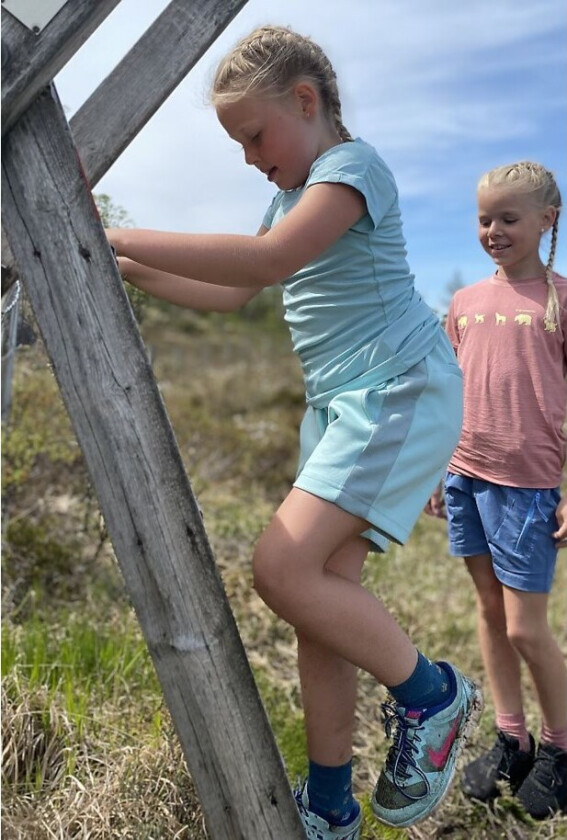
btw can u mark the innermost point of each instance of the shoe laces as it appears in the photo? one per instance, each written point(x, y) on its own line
point(401, 755)
point(298, 796)
point(303, 811)
point(546, 769)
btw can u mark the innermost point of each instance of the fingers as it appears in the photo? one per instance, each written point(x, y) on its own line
point(560, 536)
point(436, 507)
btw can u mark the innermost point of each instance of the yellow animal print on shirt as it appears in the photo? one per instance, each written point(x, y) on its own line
point(524, 318)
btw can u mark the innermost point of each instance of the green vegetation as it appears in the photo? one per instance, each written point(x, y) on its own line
point(89, 748)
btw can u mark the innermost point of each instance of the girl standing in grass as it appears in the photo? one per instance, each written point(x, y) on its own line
point(384, 408)
point(506, 515)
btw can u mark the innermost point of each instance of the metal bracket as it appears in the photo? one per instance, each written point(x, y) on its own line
point(33, 14)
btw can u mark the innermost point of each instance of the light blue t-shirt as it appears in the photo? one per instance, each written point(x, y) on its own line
point(354, 315)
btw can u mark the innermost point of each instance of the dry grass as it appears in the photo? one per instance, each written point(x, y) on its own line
point(235, 401)
point(59, 783)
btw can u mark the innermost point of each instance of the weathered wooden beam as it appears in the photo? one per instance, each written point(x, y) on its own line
point(30, 60)
point(124, 102)
point(129, 96)
point(144, 493)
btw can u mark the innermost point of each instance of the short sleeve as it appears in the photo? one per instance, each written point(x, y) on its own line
point(268, 219)
point(358, 165)
point(561, 288)
point(451, 327)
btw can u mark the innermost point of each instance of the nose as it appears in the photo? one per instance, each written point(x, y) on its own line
point(250, 155)
point(495, 228)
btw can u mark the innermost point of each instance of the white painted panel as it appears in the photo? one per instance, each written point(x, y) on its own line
point(35, 14)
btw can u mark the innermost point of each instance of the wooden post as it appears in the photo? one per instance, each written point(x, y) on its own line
point(145, 496)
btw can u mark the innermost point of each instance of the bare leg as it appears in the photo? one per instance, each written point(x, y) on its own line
point(291, 576)
point(500, 658)
point(329, 682)
point(530, 634)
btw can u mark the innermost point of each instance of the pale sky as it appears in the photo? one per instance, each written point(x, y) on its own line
point(443, 90)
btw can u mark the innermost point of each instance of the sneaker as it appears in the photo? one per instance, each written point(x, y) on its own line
point(421, 762)
point(316, 828)
point(504, 762)
point(544, 791)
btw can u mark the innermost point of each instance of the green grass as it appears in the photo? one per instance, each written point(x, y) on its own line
point(77, 658)
point(89, 748)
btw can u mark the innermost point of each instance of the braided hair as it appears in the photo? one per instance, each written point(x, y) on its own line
point(269, 62)
point(535, 179)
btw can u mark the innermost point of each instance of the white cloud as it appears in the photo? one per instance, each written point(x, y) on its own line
point(443, 90)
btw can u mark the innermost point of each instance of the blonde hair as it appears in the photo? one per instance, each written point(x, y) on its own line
point(539, 182)
point(269, 62)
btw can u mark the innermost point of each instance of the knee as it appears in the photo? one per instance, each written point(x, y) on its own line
point(526, 639)
point(271, 574)
point(491, 607)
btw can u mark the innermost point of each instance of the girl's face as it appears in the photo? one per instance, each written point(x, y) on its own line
point(510, 227)
point(280, 137)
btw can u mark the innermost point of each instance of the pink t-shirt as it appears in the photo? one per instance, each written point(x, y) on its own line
point(515, 388)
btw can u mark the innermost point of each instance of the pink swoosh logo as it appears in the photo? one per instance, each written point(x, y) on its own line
point(439, 757)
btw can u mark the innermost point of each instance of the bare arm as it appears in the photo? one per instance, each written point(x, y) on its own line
point(202, 297)
point(322, 215)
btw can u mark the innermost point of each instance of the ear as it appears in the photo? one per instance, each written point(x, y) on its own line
point(548, 217)
point(307, 98)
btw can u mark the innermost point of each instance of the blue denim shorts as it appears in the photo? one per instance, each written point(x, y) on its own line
point(512, 524)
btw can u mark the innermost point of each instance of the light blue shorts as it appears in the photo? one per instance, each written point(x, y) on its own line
point(379, 452)
point(512, 524)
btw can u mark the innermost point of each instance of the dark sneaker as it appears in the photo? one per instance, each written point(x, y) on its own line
point(504, 763)
point(316, 828)
point(421, 762)
point(544, 791)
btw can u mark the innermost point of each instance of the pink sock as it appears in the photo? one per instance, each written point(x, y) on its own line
point(557, 737)
point(515, 725)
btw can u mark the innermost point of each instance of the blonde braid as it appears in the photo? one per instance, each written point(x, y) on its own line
point(539, 182)
point(269, 62)
point(552, 310)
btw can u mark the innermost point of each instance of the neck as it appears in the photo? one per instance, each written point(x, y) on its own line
point(522, 271)
point(328, 139)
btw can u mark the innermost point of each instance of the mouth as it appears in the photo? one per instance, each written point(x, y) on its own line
point(497, 247)
point(269, 173)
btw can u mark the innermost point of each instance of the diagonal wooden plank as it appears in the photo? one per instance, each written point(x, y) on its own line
point(132, 93)
point(144, 493)
point(30, 60)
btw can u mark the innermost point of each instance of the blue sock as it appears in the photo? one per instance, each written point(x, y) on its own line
point(330, 793)
point(428, 686)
